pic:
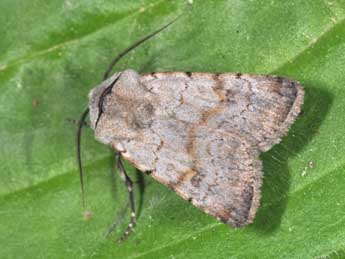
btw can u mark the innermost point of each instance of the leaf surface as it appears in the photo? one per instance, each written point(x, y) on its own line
point(54, 52)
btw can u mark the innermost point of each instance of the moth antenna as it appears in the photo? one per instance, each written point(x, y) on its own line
point(80, 126)
point(134, 45)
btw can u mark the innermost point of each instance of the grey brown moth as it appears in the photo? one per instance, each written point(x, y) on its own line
point(200, 134)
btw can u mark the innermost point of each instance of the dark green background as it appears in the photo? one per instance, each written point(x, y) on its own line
point(53, 52)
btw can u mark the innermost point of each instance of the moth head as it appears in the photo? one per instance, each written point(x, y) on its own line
point(120, 108)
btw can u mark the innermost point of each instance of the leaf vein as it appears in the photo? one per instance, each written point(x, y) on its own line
point(27, 58)
point(328, 29)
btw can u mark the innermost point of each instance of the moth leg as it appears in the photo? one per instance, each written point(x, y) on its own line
point(129, 184)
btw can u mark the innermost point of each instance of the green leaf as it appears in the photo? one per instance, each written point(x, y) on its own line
point(54, 52)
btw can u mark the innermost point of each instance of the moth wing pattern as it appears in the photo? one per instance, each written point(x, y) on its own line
point(199, 133)
point(259, 107)
point(262, 108)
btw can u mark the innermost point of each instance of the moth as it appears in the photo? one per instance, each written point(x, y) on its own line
point(200, 134)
